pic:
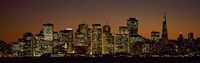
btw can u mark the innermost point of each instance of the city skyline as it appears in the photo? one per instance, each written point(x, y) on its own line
point(99, 41)
point(18, 17)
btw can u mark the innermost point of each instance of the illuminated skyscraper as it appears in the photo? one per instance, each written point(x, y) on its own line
point(164, 31)
point(22, 43)
point(132, 43)
point(48, 31)
point(67, 38)
point(106, 29)
point(56, 43)
point(15, 48)
point(55, 36)
point(121, 43)
point(82, 39)
point(123, 30)
point(108, 40)
point(155, 36)
point(29, 39)
point(96, 44)
point(39, 45)
point(122, 40)
point(55, 39)
point(132, 24)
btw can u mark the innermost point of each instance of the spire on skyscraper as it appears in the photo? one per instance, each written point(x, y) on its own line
point(164, 30)
point(164, 17)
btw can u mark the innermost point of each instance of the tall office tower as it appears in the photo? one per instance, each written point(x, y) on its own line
point(22, 43)
point(123, 30)
point(55, 36)
point(67, 38)
point(55, 39)
point(164, 31)
point(132, 24)
point(108, 40)
point(56, 43)
point(70, 42)
point(96, 44)
point(47, 30)
point(39, 45)
point(15, 49)
point(122, 40)
point(121, 43)
point(191, 36)
point(29, 39)
point(132, 43)
point(106, 29)
point(155, 36)
point(82, 39)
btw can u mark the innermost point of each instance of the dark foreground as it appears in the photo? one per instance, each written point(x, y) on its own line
point(98, 60)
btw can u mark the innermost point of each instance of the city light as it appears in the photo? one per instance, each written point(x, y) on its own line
point(99, 41)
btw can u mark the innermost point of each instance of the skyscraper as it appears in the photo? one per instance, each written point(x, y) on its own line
point(96, 44)
point(15, 48)
point(108, 40)
point(29, 39)
point(121, 43)
point(106, 29)
point(123, 30)
point(164, 31)
point(155, 36)
point(56, 42)
point(67, 39)
point(48, 31)
point(122, 40)
point(82, 39)
point(39, 45)
point(132, 24)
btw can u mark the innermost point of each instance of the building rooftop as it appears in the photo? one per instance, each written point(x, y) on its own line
point(48, 24)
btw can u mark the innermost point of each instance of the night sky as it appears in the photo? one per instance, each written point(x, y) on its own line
point(20, 16)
